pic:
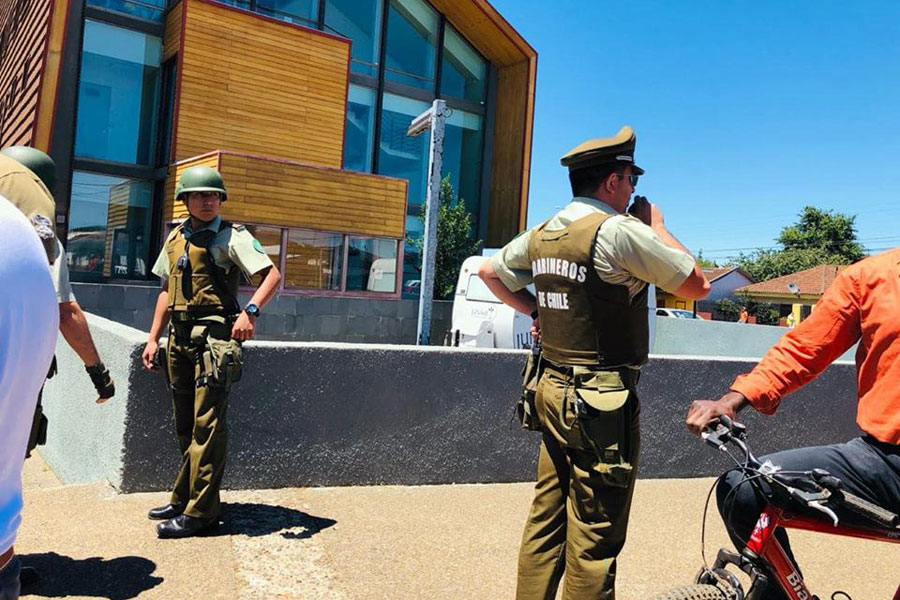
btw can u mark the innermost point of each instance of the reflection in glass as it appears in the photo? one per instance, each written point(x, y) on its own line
point(462, 159)
point(302, 12)
point(360, 129)
point(150, 10)
point(411, 43)
point(463, 71)
point(270, 238)
point(412, 255)
point(109, 227)
point(359, 20)
point(313, 260)
point(398, 154)
point(118, 94)
point(372, 265)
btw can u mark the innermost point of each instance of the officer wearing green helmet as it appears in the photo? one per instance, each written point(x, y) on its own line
point(27, 178)
point(201, 263)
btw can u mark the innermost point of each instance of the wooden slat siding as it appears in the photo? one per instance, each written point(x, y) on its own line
point(290, 194)
point(52, 67)
point(531, 86)
point(116, 218)
point(175, 211)
point(24, 36)
point(486, 29)
point(260, 87)
point(507, 160)
point(172, 36)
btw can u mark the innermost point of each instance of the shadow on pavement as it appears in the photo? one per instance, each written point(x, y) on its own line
point(255, 520)
point(116, 579)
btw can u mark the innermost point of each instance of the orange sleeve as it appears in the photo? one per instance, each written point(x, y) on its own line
point(805, 351)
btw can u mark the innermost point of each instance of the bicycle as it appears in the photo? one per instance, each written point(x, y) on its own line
point(813, 491)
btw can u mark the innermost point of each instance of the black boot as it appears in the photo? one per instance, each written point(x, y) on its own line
point(183, 526)
point(168, 511)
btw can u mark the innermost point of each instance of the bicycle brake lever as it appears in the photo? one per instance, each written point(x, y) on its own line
point(824, 509)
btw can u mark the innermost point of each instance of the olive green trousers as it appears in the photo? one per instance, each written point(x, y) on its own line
point(579, 516)
point(201, 428)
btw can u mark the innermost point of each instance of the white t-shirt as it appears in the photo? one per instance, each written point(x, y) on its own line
point(29, 321)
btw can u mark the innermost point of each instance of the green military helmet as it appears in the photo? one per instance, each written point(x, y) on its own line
point(200, 179)
point(35, 161)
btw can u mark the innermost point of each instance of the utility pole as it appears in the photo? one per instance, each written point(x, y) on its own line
point(432, 119)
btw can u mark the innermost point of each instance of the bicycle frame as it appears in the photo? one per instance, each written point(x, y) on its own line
point(764, 544)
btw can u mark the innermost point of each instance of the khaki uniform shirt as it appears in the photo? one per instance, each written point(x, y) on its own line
point(59, 271)
point(232, 246)
point(626, 252)
point(29, 194)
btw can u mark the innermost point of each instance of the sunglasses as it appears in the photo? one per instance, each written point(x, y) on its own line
point(632, 179)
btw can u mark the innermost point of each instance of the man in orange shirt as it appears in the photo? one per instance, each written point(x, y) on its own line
point(860, 306)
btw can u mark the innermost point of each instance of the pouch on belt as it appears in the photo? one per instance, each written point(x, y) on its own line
point(526, 410)
point(604, 411)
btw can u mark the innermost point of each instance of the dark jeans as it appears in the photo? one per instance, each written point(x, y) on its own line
point(9, 580)
point(868, 469)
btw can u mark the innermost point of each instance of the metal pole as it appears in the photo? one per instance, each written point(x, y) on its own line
point(432, 204)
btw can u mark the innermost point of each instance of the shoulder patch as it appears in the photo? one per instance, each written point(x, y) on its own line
point(258, 247)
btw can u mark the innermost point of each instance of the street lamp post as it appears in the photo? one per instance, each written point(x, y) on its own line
point(432, 119)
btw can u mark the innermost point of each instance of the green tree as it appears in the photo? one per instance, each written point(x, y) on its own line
point(820, 237)
point(455, 243)
point(705, 263)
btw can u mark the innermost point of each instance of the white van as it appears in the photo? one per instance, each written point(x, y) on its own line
point(480, 320)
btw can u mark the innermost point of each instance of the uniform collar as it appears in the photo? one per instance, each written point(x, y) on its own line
point(598, 205)
point(213, 226)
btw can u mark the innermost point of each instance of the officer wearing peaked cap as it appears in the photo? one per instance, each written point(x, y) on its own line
point(201, 264)
point(590, 264)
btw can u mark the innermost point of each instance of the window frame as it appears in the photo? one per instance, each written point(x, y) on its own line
point(345, 250)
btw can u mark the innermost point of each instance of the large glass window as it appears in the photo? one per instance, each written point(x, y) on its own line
point(463, 71)
point(303, 12)
point(151, 10)
point(313, 260)
point(270, 239)
point(109, 227)
point(359, 20)
point(462, 158)
point(372, 265)
point(117, 96)
point(360, 129)
point(410, 56)
point(398, 154)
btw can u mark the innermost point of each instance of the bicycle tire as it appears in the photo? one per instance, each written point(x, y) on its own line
point(694, 592)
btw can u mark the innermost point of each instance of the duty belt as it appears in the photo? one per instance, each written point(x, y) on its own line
point(630, 376)
point(186, 330)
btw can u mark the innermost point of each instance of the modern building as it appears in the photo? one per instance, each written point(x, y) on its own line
point(303, 105)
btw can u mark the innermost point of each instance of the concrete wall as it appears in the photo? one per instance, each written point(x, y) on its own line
point(313, 414)
point(691, 337)
point(287, 318)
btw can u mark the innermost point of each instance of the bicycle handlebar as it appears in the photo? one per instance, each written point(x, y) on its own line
point(827, 488)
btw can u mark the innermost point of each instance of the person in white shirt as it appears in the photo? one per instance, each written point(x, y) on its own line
point(29, 320)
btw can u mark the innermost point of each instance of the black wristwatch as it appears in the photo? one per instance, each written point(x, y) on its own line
point(252, 310)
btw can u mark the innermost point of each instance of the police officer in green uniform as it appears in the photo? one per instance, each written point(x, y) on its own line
point(27, 178)
point(201, 264)
point(591, 265)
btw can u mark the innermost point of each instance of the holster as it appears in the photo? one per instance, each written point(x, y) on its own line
point(604, 407)
point(38, 434)
point(526, 409)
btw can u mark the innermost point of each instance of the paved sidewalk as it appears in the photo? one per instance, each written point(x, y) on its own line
point(454, 542)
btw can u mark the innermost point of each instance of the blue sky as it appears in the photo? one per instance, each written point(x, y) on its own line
point(745, 111)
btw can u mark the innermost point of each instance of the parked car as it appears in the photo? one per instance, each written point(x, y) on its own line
point(677, 313)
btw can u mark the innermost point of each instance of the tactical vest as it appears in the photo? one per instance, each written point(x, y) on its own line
point(584, 320)
point(198, 285)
